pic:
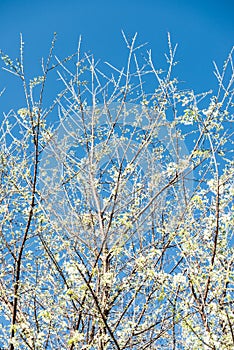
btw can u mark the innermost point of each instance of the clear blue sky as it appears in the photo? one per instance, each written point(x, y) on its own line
point(203, 29)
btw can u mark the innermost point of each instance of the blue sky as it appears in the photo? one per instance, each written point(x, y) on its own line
point(203, 29)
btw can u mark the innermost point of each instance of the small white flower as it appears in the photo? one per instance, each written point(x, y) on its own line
point(23, 112)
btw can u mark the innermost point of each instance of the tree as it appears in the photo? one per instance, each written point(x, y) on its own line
point(114, 234)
